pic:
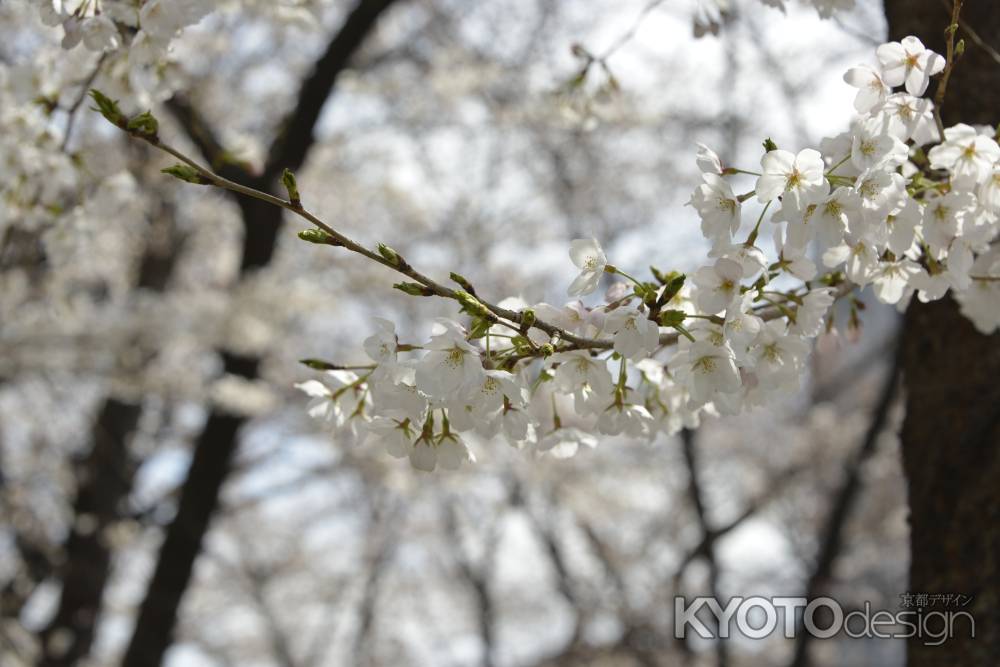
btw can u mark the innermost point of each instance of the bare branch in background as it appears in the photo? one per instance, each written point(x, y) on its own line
point(841, 504)
point(386, 519)
point(477, 576)
point(696, 495)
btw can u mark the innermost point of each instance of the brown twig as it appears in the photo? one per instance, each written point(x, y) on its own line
point(84, 90)
point(942, 88)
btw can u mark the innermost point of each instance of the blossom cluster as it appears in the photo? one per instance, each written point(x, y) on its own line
point(888, 203)
point(134, 37)
point(102, 25)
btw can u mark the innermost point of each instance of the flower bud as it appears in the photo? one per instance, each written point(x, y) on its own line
point(187, 173)
point(318, 364)
point(316, 236)
point(292, 187)
point(460, 280)
point(108, 108)
point(672, 286)
point(472, 305)
point(414, 289)
point(144, 125)
point(390, 255)
point(671, 318)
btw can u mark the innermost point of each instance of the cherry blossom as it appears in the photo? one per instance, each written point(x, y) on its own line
point(717, 285)
point(636, 336)
point(658, 351)
point(451, 363)
point(718, 208)
point(707, 370)
point(872, 90)
point(968, 155)
point(785, 173)
point(909, 62)
point(589, 257)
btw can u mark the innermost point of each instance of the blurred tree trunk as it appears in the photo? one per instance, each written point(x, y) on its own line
point(951, 436)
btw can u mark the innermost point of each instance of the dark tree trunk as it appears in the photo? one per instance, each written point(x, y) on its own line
point(104, 477)
point(952, 373)
point(213, 454)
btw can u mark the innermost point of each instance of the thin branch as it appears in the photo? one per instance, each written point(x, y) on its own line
point(697, 495)
point(776, 485)
point(401, 266)
point(257, 580)
point(84, 90)
point(629, 34)
point(844, 501)
point(202, 135)
point(942, 88)
point(479, 577)
point(383, 537)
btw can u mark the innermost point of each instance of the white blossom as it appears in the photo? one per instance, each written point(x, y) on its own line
point(909, 62)
point(381, 346)
point(784, 173)
point(872, 91)
point(636, 336)
point(966, 154)
point(892, 279)
point(707, 370)
point(717, 285)
point(718, 208)
point(589, 257)
point(450, 364)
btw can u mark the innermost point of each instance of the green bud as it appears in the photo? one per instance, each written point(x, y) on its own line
point(108, 108)
point(414, 289)
point(527, 318)
point(144, 125)
point(318, 364)
point(187, 173)
point(461, 281)
point(673, 285)
point(389, 255)
point(770, 145)
point(472, 305)
point(292, 187)
point(316, 236)
point(547, 350)
point(960, 48)
point(661, 277)
point(671, 318)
